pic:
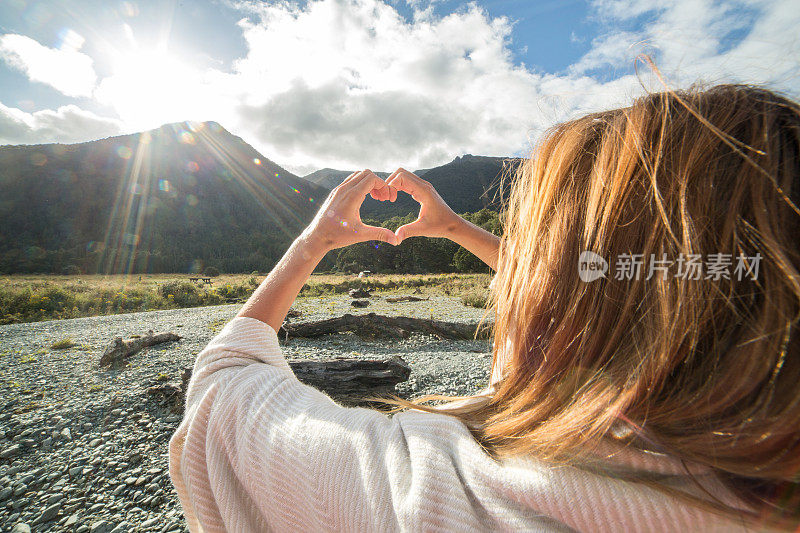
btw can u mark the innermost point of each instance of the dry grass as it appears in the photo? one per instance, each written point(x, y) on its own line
point(30, 298)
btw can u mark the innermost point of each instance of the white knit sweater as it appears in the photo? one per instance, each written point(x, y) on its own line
point(259, 451)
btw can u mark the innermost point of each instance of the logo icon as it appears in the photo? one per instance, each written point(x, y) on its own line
point(591, 266)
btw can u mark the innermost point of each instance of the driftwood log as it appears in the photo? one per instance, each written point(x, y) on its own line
point(395, 299)
point(119, 350)
point(378, 326)
point(346, 380)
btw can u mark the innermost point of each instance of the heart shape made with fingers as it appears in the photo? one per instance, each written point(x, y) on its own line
point(339, 223)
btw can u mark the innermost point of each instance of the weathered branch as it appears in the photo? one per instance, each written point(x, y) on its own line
point(119, 349)
point(376, 326)
point(395, 299)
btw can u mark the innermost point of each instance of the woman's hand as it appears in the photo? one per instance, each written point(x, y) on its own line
point(435, 219)
point(338, 222)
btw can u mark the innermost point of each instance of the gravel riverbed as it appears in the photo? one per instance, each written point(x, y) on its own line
point(85, 449)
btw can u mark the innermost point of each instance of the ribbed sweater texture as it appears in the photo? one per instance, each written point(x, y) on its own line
point(259, 451)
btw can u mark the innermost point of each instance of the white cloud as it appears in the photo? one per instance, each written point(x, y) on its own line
point(351, 83)
point(67, 124)
point(702, 40)
point(65, 69)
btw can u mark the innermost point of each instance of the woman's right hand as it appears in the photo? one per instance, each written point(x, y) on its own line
point(435, 219)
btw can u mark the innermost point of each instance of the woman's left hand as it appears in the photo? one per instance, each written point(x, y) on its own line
point(338, 222)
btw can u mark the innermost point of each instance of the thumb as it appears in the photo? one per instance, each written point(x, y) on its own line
point(414, 229)
point(373, 233)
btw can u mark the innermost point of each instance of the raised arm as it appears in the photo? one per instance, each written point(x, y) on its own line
point(337, 224)
point(436, 219)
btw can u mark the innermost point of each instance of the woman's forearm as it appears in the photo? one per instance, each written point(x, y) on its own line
point(272, 299)
point(483, 244)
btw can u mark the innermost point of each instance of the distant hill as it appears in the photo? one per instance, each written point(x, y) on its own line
point(468, 183)
point(171, 199)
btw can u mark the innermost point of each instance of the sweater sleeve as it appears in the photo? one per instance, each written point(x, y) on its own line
point(259, 451)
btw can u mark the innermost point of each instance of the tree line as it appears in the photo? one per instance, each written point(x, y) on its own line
point(243, 252)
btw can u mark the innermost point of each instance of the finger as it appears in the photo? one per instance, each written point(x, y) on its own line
point(373, 233)
point(370, 183)
point(346, 180)
point(386, 193)
point(414, 229)
point(353, 180)
point(406, 181)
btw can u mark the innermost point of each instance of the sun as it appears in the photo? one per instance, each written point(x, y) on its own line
point(149, 87)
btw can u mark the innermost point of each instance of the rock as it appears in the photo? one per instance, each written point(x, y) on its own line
point(20, 489)
point(54, 498)
point(123, 527)
point(21, 527)
point(49, 513)
point(9, 452)
point(359, 303)
point(149, 523)
point(75, 471)
point(5, 493)
point(65, 433)
point(94, 443)
point(72, 520)
point(359, 293)
point(101, 526)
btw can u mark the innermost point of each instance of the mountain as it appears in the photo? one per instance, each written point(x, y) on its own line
point(330, 177)
point(171, 199)
point(468, 183)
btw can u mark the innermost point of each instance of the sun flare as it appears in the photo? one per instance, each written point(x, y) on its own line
point(150, 87)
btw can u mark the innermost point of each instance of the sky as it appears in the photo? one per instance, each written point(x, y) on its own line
point(370, 83)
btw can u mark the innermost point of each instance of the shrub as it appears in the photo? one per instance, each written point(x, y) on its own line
point(211, 271)
point(181, 293)
point(234, 292)
point(63, 344)
point(475, 299)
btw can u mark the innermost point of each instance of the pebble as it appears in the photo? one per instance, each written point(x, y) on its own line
point(123, 527)
point(149, 523)
point(101, 526)
point(54, 498)
point(50, 513)
point(97, 449)
point(11, 451)
point(21, 527)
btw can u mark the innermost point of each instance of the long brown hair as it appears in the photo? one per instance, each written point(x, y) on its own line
point(706, 370)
